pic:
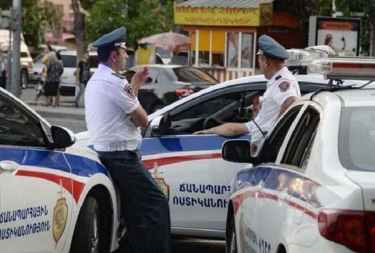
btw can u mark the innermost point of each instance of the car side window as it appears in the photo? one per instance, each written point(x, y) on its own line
point(16, 128)
point(298, 149)
point(211, 113)
point(274, 142)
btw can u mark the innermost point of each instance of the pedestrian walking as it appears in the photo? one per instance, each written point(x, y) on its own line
point(282, 90)
point(59, 58)
point(82, 77)
point(51, 86)
point(3, 70)
point(114, 117)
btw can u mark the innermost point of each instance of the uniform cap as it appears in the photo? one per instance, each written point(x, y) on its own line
point(271, 48)
point(113, 39)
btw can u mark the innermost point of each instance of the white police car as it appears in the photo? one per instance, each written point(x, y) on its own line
point(55, 196)
point(312, 184)
point(188, 167)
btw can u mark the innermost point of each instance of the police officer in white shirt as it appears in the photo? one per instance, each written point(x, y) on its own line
point(282, 90)
point(114, 117)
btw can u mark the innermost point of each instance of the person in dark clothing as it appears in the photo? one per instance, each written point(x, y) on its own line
point(83, 76)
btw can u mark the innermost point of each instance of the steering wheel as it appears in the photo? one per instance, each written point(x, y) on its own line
point(210, 122)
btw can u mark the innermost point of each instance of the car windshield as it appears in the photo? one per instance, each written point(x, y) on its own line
point(69, 61)
point(357, 138)
point(193, 75)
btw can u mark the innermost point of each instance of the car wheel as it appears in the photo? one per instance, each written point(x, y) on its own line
point(86, 238)
point(231, 243)
point(24, 79)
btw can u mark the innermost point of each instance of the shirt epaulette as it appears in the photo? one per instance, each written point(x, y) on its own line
point(118, 75)
point(278, 77)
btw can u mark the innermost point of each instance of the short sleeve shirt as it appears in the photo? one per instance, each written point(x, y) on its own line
point(109, 101)
point(280, 87)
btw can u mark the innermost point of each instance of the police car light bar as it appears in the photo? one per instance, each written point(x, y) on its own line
point(303, 57)
point(356, 68)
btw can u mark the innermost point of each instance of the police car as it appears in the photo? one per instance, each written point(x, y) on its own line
point(55, 196)
point(189, 167)
point(311, 185)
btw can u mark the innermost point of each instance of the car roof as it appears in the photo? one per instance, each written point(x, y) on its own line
point(348, 97)
point(74, 53)
point(167, 66)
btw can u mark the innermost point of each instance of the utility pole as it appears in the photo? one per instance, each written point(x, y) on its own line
point(16, 64)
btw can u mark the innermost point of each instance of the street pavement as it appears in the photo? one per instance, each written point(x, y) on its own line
point(66, 110)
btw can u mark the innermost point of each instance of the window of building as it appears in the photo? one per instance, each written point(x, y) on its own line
point(240, 55)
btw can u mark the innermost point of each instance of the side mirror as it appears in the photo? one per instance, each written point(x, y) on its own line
point(62, 137)
point(156, 126)
point(237, 151)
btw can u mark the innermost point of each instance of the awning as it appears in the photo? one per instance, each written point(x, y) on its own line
point(246, 4)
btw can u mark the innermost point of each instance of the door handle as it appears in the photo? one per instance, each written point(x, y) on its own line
point(7, 166)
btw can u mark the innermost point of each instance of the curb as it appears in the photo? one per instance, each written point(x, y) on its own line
point(58, 112)
point(60, 115)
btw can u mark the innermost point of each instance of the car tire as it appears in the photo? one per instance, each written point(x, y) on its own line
point(87, 237)
point(24, 79)
point(231, 241)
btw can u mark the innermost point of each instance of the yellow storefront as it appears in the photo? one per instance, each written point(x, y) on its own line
point(224, 36)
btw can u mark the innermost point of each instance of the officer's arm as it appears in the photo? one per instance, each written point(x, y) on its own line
point(227, 129)
point(139, 117)
point(286, 105)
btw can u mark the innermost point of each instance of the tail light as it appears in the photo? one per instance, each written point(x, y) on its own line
point(184, 92)
point(353, 229)
point(75, 72)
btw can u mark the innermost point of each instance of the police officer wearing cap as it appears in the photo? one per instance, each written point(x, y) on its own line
point(282, 90)
point(114, 117)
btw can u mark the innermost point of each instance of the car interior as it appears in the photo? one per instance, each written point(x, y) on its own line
point(213, 112)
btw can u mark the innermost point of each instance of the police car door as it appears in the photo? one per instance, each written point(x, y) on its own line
point(273, 190)
point(189, 167)
point(35, 184)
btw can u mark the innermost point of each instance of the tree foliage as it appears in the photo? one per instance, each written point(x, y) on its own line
point(140, 17)
point(36, 18)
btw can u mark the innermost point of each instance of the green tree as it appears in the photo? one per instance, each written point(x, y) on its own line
point(36, 18)
point(367, 7)
point(140, 17)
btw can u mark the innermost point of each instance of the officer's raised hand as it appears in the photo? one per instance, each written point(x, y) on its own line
point(139, 79)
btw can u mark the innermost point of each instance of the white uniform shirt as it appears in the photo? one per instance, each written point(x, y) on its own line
point(279, 88)
point(109, 100)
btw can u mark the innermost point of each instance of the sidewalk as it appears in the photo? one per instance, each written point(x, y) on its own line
point(66, 110)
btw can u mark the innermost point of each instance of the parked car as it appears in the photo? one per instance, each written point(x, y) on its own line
point(68, 78)
point(26, 64)
point(169, 83)
point(189, 167)
point(310, 187)
point(55, 194)
point(37, 68)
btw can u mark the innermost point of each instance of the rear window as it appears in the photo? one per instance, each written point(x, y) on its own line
point(69, 61)
point(193, 75)
point(357, 138)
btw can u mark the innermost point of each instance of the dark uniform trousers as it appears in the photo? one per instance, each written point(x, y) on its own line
point(144, 206)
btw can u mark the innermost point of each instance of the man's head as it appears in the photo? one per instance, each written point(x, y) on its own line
point(271, 56)
point(112, 50)
point(255, 107)
point(86, 56)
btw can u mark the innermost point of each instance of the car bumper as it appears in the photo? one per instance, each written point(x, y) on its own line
point(67, 90)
